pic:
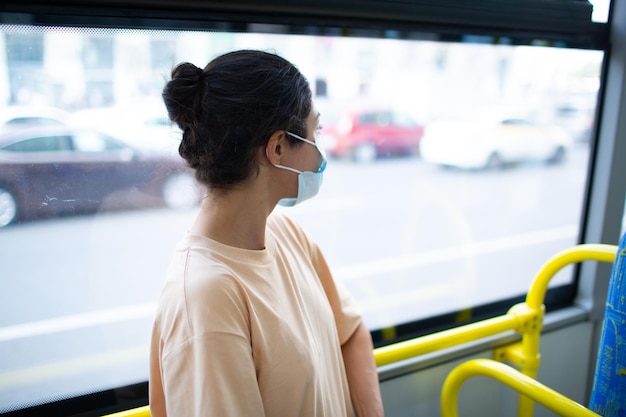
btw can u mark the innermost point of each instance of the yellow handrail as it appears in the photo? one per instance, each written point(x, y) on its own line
point(143, 411)
point(527, 353)
point(444, 339)
point(524, 318)
point(583, 252)
point(519, 318)
point(526, 385)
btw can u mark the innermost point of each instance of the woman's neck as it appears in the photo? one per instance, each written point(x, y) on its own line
point(232, 219)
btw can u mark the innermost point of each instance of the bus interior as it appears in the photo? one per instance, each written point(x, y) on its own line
point(473, 202)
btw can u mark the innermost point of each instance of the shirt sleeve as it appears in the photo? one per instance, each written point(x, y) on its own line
point(211, 376)
point(210, 370)
point(345, 309)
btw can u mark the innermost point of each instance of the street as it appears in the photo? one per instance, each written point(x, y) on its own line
point(409, 240)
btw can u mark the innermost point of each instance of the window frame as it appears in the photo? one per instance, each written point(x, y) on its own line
point(449, 21)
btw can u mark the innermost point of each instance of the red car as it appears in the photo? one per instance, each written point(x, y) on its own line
point(366, 135)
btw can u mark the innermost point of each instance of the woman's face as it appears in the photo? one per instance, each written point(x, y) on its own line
point(296, 154)
point(306, 156)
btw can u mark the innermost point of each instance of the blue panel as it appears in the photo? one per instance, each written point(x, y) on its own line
point(608, 397)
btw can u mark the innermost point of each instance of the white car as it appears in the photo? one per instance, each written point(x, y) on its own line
point(143, 124)
point(20, 116)
point(492, 143)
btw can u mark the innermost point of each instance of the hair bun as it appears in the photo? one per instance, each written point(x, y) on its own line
point(183, 94)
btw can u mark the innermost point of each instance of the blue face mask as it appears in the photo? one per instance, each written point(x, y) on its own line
point(308, 182)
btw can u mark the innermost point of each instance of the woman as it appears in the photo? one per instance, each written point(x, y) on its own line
point(250, 321)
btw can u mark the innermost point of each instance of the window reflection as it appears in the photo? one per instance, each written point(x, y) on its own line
point(410, 237)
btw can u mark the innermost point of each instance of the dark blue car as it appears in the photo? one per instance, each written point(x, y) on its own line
point(57, 170)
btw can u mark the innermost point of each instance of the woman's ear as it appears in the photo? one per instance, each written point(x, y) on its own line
point(275, 147)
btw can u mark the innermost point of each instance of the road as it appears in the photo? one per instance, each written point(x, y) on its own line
point(408, 240)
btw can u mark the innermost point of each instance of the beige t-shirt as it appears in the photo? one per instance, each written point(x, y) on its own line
point(251, 333)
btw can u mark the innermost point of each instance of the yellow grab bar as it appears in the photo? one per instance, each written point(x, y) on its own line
point(516, 319)
point(444, 339)
point(135, 412)
point(526, 385)
point(583, 252)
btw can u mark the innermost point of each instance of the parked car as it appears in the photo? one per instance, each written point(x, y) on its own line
point(143, 124)
point(21, 116)
point(492, 143)
point(58, 170)
point(365, 135)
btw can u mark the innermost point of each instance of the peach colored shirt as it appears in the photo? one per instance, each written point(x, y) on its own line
point(251, 333)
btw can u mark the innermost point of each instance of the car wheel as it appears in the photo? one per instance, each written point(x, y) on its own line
point(180, 191)
point(8, 207)
point(494, 161)
point(364, 153)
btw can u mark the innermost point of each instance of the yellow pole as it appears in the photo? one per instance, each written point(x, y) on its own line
point(143, 411)
point(526, 385)
point(583, 252)
point(535, 299)
point(444, 339)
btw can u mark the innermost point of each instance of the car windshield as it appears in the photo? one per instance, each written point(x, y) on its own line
point(41, 144)
point(516, 122)
point(403, 120)
point(95, 142)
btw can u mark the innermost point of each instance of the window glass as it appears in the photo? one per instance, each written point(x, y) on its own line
point(32, 121)
point(41, 144)
point(94, 142)
point(403, 120)
point(444, 213)
point(600, 10)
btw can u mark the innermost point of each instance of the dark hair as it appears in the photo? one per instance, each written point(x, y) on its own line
point(231, 108)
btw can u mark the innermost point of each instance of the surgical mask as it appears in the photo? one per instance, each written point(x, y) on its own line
point(308, 182)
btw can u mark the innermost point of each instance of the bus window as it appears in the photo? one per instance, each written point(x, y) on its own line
point(432, 203)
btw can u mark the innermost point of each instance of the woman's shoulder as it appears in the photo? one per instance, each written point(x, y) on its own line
point(199, 267)
point(279, 220)
point(289, 233)
point(197, 287)
point(285, 227)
